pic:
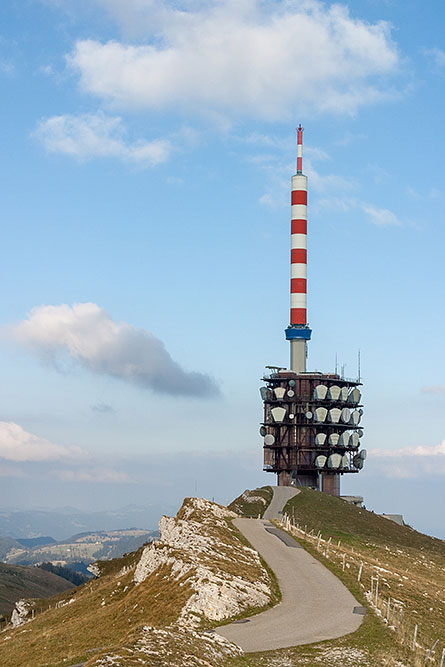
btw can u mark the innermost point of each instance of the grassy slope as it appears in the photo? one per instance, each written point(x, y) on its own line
point(109, 612)
point(18, 582)
point(252, 504)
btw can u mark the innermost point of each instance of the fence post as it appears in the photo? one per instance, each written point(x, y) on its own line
point(414, 638)
point(442, 658)
point(360, 572)
point(327, 547)
point(318, 543)
point(430, 651)
point(400, 618)
point(376, 591)
point(388, 609)
point(343, 564)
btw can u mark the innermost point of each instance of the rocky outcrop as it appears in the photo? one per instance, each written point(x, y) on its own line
point(201, 546)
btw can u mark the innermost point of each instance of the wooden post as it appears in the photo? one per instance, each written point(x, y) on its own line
point(442, 658)
point(430, 651)
point(400, 618)
point(343, 564)
point(376, 591)
point(327, 547)
point(388, 608)
point(360, 572)
point(318, 543)
point(414, 638)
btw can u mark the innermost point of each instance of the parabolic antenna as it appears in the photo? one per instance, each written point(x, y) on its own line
point(320, 392)
point(320, 438)
point(320, 414)
point(334, 461)
point(278, 414)
point(333, 438)
point(334, 415)
point(320, 461)
point(263, 431)
point(279, 392)
point(334, 392)
point(291, 393)
point(269, 440)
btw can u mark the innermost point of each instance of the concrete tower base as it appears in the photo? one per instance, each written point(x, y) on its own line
point(330, 484)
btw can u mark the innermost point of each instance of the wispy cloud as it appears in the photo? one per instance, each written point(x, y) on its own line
point(410, 462)
point(437, 55)
point(16, 444)
point(94, 475)
point(99, 135)
point(88, 335)
point(265, 60)
point(382, 217)
point(103, 408)
point(434, 389)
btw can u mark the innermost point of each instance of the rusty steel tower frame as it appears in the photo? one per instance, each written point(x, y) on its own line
point(311, 428)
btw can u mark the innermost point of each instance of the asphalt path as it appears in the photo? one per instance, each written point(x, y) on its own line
point(281, 494)
point(315, 604)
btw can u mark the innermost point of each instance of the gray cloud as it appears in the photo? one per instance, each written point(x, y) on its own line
point(103, 408)
point(88, 335)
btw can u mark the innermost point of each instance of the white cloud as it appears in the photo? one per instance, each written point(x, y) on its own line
point(88, 334)
point(266, 60)
point(435, 389)
point(410, 462)
point(16, 444)
point(101, 475)
point(438, 56)
point(380, 216)
point(98, 135)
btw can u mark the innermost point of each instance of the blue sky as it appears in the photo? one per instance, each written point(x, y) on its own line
point(147, 154)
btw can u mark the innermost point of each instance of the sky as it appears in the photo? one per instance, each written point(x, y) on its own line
point(148, 147)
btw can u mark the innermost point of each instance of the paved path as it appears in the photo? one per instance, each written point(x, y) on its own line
point(281, 494)
point(315, 604)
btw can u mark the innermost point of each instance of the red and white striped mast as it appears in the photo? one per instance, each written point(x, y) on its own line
point(298, 332)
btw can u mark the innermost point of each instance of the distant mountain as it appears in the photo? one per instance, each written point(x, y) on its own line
point(18, 582)
point(63, 522)
point(84, 547)
point(6, 545)
point(31, 542)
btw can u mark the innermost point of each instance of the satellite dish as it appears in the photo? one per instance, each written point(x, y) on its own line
point(278, 414)
point(333, 438)
point(291, 383)
point(363, 454)
point(357, 461)
point(361, 411)
point(344, 461)
point(343, 439)
point(320, 392)
point(354, 396)
point(320, 414)
point(290, 393)
point(263, 431)
point(354, 439)
point(344, 393)
point(291, 415)
point(334, 415)
point(355, 417)
point(269, 439)
point(345, 415)
point(279, 392)
point(320, 461)
point(334, 393)
point(308, 415)
point(320, 438)
point(263, 392)
point(334, 461)
point(360, 432)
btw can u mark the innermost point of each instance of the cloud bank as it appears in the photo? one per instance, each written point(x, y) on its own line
point(254, 58)
point(410, 462)
point(98, 135)
point(88, 334)
point(16, 444)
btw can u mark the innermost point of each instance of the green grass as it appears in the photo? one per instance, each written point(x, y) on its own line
point(252, 504)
